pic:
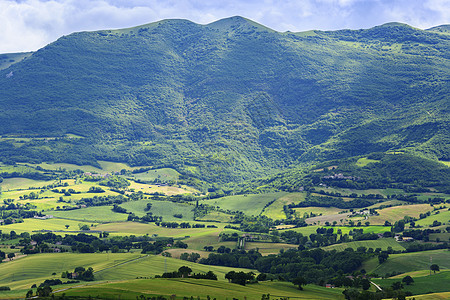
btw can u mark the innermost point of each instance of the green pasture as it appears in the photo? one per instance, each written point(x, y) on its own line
point(30, 225)
point(165, 209)
point(201, 288)
point(382, 243)
point(269, 248)
point(275, 210)
point(216, 216)
point(23, 272)
point(151, 265)
point(22, 183)
point(251, 204)
point(134, 228)
point(307, 230)
point(408, 262)
point(433, 283)
point(364, 161)
point(396, 213)
point(443, 236)
point(95, 214)
point(163, 175)
point(443, 216)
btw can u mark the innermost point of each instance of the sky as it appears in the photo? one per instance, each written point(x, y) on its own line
point(27, 25)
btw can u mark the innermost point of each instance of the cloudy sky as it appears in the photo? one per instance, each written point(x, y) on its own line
point(27, 25)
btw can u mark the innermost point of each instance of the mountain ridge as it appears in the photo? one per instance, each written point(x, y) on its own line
point(230, 99)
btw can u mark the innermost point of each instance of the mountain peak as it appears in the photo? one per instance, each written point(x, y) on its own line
point(237, 21)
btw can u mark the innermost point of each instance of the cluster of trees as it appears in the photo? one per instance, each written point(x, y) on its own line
point(184, 272)
point(80, 273)
point(316, 266)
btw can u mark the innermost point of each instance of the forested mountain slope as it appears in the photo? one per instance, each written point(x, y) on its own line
point(230, 100)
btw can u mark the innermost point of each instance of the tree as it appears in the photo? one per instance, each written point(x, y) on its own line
point(184, 271)
point(382, 257)
point(67, 226)
point(299, 281)
point(407, 280)
point(44, 291)
point(29, 294)
point(12, 255)
point(397, 285)
point(433, 268)
point(365, 284)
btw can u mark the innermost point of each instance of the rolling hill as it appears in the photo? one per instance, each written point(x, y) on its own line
point(227, 101)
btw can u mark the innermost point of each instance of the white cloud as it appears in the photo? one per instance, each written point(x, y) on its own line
point(31, 24)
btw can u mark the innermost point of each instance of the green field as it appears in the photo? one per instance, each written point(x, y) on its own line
point(217, 216)
point(163, 175)
point(165, 209)
point(22, 183)
point(383, 243)
point(433, 283)
point(408, 262)
point(30, 225)
point(443, 216)
point(275, 210)
point(252, 204)
point(364, 161)
point(269, 248)
point(203, 288)
point(396, 213)
point(96, 214)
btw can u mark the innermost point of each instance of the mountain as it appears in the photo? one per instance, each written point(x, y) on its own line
point(230, 100)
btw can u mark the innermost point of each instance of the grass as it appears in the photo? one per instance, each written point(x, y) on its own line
point(202, 288)
point(383, 243)
point(22, 273)
point(217, 216)
point(269, 248)
point(163, 175)
point(252, 204)
point(96, 214)
point(443, 216)
point(30, 225)
point(166, 209)
point(22, 183)
point(364, 161)
point(408, 262)
point(275, 210)
point(396, 213)
point(433, 283)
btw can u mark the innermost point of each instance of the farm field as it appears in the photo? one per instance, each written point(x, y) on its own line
point(269, 248)
point(165, 209)
point(22, 183)
point(32, 225)
point(383, 243)
point(275, 210)
point(216, 216)
point(422, 285)
point(409, 262)
point(162, 175)
point(22, 273)
point(249, 204)
point(203, 288)
point(443, 216)
point(396, 213)
point(96, 214)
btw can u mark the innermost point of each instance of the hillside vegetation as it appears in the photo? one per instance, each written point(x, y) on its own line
point(230, 100)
